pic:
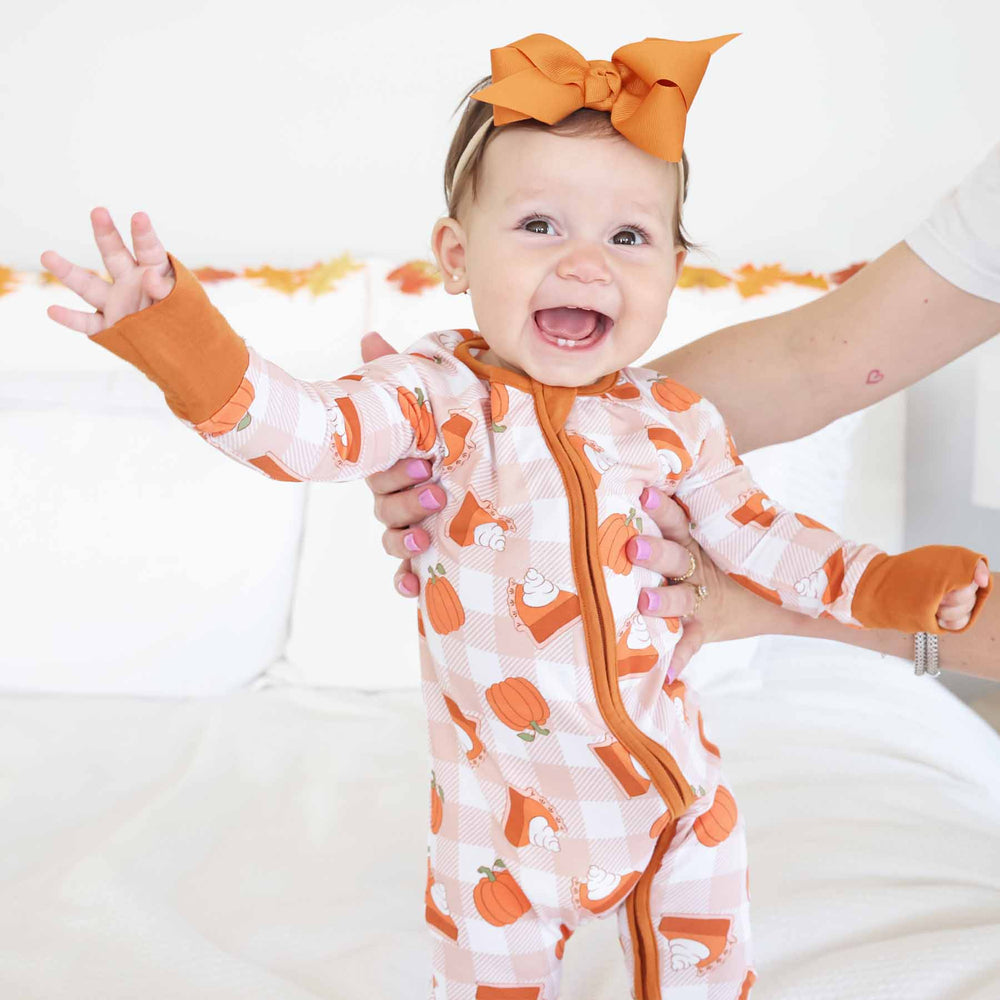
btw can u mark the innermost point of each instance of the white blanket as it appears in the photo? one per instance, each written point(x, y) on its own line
point(271, 844)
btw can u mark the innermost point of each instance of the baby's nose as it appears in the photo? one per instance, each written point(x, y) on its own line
point(586, 263)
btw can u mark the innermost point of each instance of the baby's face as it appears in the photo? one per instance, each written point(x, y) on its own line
point(566, 221)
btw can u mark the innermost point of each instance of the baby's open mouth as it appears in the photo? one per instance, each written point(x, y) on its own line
point(571, 328)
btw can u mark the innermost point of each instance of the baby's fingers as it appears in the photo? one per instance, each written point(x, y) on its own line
point(88, 323)
point(954, 621)
point(149, 251)
point(91, 288)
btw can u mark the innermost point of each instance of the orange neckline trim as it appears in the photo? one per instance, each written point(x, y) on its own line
point(494, 373)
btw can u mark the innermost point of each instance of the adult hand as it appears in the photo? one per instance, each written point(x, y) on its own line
point(728, 612)
point(399, 504)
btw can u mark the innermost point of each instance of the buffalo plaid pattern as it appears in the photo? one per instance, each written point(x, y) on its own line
point(539, 818)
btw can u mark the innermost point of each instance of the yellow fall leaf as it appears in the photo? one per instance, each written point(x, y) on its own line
point(323, 278)
point(702, 277)
point(8, 280)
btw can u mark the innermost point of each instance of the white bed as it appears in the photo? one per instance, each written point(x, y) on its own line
point(231, 847)
point(186, 804)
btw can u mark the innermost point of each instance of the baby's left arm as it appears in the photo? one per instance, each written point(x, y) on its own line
point(794, 561)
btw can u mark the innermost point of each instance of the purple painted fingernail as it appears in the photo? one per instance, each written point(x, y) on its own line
point(642, 549)
point(417, 468)
point(652, 600)
point(671, 674)
point(403, 589)
point(410, 542)
point(650, 499)
point(428, 501)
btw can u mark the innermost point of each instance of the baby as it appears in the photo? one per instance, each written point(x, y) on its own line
point(571, 777)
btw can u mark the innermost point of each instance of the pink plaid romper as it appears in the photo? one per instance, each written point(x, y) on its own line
point(569, 781)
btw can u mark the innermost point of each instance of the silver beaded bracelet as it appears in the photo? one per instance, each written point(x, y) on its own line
point(925, 654)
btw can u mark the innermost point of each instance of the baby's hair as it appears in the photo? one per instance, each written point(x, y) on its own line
point(584, 121)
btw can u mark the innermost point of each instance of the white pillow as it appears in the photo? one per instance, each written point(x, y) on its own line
point(136, 559)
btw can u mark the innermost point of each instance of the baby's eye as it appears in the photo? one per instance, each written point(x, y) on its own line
point(635, 231)
point(533, 221)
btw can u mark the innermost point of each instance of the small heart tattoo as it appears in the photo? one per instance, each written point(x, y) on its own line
point(874, 376)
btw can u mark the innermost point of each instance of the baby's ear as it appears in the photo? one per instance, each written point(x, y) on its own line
point(448, 244)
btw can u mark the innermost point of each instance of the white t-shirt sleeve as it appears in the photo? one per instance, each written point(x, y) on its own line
point(960, 238)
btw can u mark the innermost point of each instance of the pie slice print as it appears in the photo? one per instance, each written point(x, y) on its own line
point(468, 735)
point(635, 652)
point(626, 771)
point(436, 907)
point(477, 523)
point(597, 463)
point(346, 429)
point(671, 454)
point(756, 508)
point(603, 890)
point(695, 942)
point(530, 821)
point(540, 606)
point(509, 993)
point(455, 432)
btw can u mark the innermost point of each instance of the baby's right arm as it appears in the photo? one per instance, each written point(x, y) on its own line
point(252, 410)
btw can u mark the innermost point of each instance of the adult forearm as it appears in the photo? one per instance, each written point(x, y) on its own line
point(780, 377)
point(975, 652)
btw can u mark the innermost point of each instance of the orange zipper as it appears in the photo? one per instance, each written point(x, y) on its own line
point(599, 631)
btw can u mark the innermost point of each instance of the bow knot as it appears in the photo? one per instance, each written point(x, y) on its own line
point(601, 85)
point(647, 86)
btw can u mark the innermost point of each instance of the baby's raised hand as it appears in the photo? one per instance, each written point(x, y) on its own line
point(953, 611)
point(137, 282)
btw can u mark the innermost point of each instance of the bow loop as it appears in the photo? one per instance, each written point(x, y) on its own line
point(648, 86)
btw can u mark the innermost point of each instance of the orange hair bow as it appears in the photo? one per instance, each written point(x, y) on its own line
point(648, 86)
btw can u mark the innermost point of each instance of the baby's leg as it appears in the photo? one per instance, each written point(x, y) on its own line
point(696, 893)
point(488, 942)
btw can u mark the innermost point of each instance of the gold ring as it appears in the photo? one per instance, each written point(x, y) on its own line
point(700, 593)
point(692, 566)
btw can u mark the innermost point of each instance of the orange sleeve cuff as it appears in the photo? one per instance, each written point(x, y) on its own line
point(904, 591)
point(184, 345)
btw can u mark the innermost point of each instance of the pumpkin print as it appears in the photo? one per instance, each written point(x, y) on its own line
point(518, 704)
point(420, 624)
point(498, 897)
point(712, 827)
point(437, 804)
point(417, 411)
point(499, 401)
point(612, 537)
point(233, 414)
point(748, 981)
point(673, 396)
point(444, 609)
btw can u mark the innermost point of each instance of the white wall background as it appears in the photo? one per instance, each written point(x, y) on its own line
point(285, 132)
